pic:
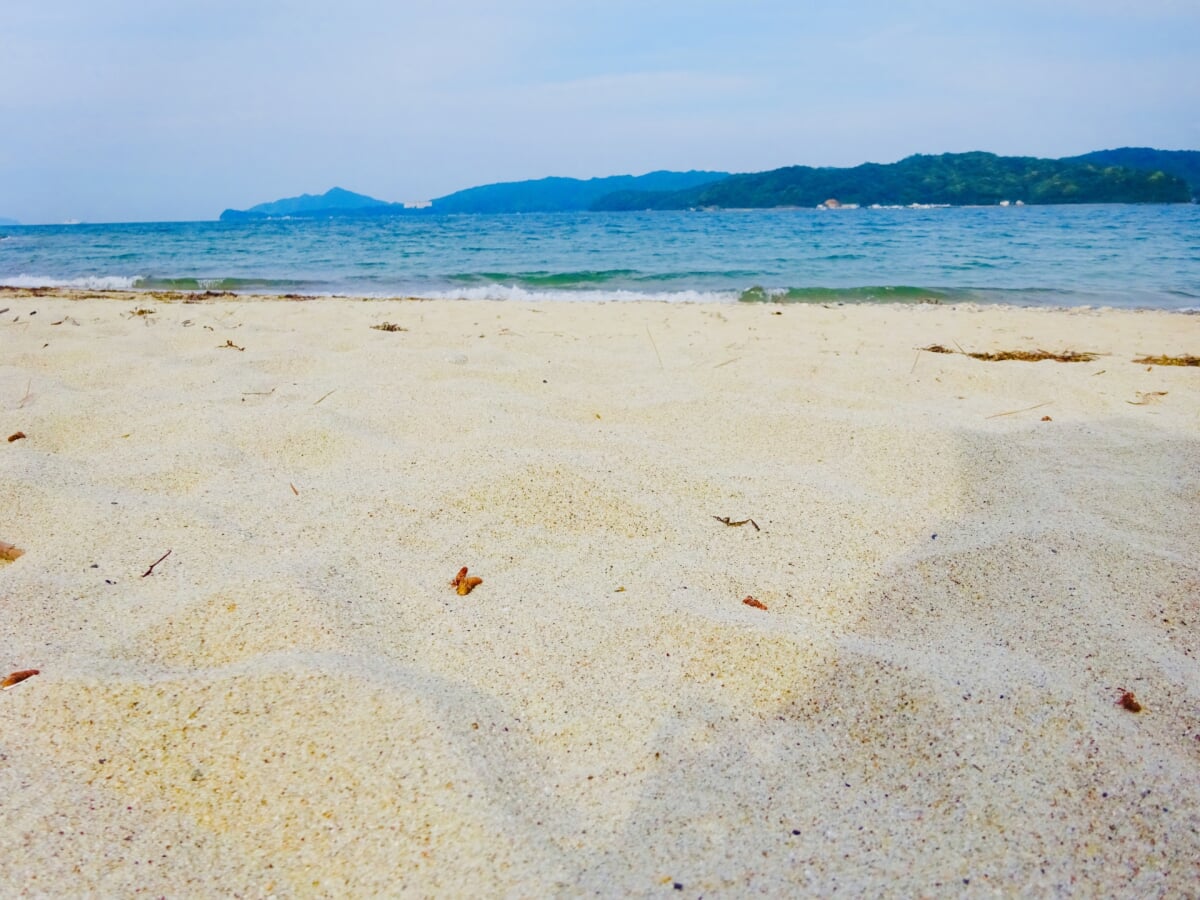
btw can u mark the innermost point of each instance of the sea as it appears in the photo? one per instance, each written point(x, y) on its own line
point(1128, 256)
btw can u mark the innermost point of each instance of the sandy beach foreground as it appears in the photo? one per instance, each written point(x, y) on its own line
point(963, 563)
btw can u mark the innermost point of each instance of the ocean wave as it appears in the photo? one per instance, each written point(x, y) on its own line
point(85, 282)
point(609, 287)
point(583, 278)
point(881, 294)
point(151, 283)
point(237, 285)
point(625, 279)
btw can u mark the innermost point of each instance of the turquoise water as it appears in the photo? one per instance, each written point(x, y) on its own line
point(1113, 255)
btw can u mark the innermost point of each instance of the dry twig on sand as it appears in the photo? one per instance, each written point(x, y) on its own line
point(725, 520)
point(1013, 412)
point(155, 563)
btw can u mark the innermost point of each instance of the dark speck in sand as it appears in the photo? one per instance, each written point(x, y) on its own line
point(933, 537)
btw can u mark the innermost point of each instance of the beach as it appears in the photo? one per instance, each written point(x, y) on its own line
point(241, 517)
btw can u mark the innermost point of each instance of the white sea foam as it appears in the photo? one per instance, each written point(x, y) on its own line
point(513, 292)
point(87, 283)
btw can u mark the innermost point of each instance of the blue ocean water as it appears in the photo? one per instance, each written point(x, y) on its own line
point(1110, 255)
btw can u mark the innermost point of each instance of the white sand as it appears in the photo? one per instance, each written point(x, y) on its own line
point(296, 702)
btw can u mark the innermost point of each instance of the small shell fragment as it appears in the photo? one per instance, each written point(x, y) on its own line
point(17, 677)
point(757, 604)
point(10, 552)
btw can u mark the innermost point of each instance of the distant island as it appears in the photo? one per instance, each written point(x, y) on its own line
point(4, 221)
point(1126, 175)
point(541, 195)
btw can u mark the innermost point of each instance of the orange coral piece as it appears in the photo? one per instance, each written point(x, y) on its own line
point(17, 678)
point(10, 551)
point(757, 604)
point(463, 584)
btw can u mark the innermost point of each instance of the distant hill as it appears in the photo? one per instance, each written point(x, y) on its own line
point(332, 202)
point(542, 195)
point(959, 179)
point(1129, 175)
point(564, 194)
point(1184, 163)
point(4, 221)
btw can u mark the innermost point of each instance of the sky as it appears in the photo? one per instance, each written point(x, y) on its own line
point(159, 110)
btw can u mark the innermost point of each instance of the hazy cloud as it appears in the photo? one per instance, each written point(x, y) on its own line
point(137, 109)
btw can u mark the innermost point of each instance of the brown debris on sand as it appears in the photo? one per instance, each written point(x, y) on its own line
point(1129, 702)
point(1145, 398)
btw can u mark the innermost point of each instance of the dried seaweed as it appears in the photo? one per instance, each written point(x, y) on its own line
point(16, 436)
point(757, 604)
point(1067, 356)
point(388, 326)
point(1169, 361)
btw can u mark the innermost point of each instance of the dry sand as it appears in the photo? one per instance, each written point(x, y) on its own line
point(295, 702)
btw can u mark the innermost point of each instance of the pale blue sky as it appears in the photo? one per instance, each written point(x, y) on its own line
point(116, 110)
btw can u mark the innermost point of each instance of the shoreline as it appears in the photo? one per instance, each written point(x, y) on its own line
point(594, 297)
point(964, 564)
